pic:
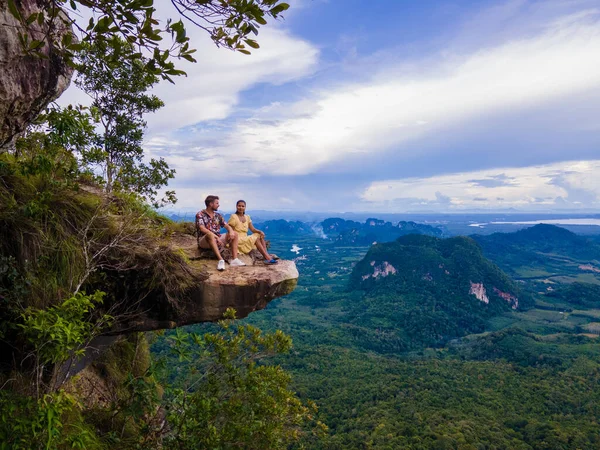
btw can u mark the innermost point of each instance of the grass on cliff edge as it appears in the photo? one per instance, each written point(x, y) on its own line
point(55, 231)
point(60, 234)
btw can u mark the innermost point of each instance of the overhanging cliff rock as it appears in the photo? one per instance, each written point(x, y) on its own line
point(28, 83)
point(245, 289)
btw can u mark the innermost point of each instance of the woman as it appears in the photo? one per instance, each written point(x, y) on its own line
point(241, 222)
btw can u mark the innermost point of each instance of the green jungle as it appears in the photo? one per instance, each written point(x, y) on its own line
point(404, 361)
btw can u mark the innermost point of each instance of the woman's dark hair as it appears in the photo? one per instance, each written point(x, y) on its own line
point(210, 199)
point(240, 201)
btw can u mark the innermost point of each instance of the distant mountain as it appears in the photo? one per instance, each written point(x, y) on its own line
point(422, 291)
point(538, 246)
point(595, 238)
point(375, 230)
point(542, 238)
point(284, 227)
point(349, 232)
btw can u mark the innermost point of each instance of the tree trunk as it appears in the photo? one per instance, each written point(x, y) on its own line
point(109, 166)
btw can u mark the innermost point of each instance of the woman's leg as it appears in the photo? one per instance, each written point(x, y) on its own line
point(264, 243)
point(233, 244)
point(262, 240)
point(260, 246)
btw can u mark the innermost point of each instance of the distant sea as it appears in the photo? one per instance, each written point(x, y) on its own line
point(553, 222)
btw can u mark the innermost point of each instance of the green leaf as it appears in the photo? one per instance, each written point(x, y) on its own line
point(188, 58)
point(278, 9)
point(175, 72)
point(32, 18)
point(24, 39)
point(14, 11)
point(155, 36)
point(179, 29)
point(103, 24)
point(34, 45)
point(76, 47)
point(251, 43)
point(67, 39)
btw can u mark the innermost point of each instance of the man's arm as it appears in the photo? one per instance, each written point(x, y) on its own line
point(203, 229)
point(200, 225)
point(230, 231)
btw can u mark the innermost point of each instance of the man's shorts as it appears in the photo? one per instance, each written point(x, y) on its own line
point(221, 241)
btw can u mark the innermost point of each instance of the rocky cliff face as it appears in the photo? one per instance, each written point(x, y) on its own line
point(478, 290)
point(27, 83)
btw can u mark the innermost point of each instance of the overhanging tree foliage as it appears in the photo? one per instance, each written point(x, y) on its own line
point(230, 23)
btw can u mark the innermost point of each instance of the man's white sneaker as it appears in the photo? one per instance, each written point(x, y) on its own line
point(221, 265)
point(236, 262)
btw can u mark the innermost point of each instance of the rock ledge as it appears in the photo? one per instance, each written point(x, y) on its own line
point(245, 289)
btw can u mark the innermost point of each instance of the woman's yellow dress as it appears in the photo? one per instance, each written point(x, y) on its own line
point(245, 242)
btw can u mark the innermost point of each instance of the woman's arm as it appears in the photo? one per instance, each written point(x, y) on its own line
point(254, 230)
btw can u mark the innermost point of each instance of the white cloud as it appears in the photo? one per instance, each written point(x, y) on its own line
point(387, 111)
point(212, 87)
point(550, 186)
point(529, 62)
point(558, 186)
point(256, 195)
point(193, 198)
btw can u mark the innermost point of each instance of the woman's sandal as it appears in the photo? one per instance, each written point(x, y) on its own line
point(270, 261)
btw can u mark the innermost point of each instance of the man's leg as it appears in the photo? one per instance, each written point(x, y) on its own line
point(211, 241)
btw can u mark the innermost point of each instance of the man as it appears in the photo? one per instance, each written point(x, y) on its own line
point(209, 223)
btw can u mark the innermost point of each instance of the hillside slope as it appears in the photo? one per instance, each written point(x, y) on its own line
point(422, 291)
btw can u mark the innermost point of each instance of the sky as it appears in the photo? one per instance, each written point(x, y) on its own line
point(392, 105)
